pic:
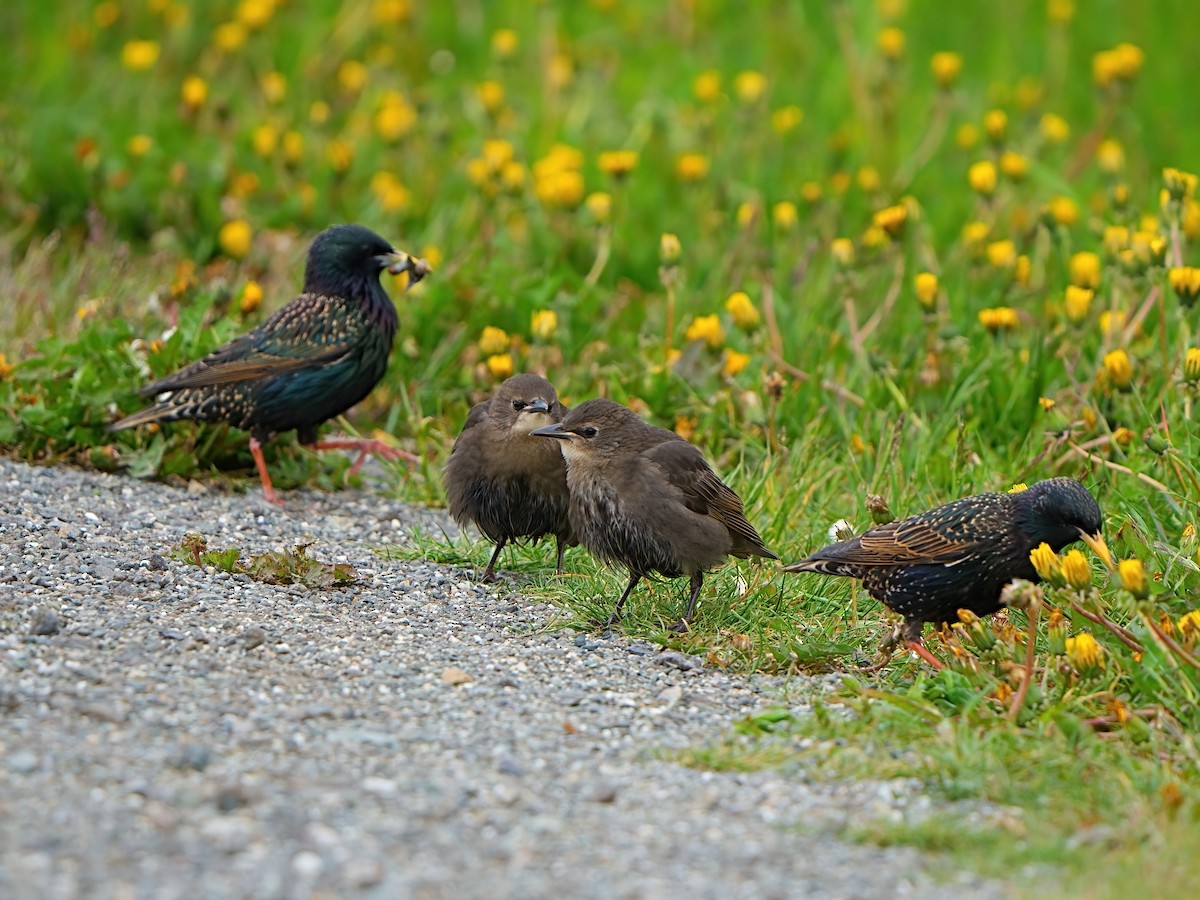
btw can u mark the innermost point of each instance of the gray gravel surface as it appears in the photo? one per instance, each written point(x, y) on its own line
point(168, 731)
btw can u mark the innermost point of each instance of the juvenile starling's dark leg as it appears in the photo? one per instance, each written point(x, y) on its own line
point(365, 447)
point(263, 474)
point(489, 574)
point(562, 548)
point(682, 625)
point(634, 578)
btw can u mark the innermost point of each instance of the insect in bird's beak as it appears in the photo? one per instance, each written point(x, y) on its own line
point(554, 431)
point(398, 261)
point(1099, 547)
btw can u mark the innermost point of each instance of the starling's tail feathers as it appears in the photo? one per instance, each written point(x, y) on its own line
point(159, 412)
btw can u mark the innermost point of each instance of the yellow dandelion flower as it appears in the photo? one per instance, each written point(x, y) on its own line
point(1110, 156)
point(235, 238)
point(512, 176)
point(139, 145)
point(685, 427)
point(393, 196)
point(1116, 239)
point(974, 234)
point(543, 324)
point(1133, 577)
point(255, 14)
point(293, 147)
point(982, 177)
point(1029, 92)
point(786, 119)
point(391, 12)
point(669, 249)
point(106, 14)
point(1078, 302)
point(926, 284)
point(243, 184)
point(1063, 210)
point(229, 36)
point(1185, 282)
point(891, 43)
point(1022, 270)
point(194, 91)
point(839, 182)
point(945, 67)
point(6, 368)
point(891, 219)
point(252, 295)
point(707, 86)
point(265, 138)
point(874, 238)
point(1188, 625)
point(868, 180)
point(1054, 128)
point(137, 56)
point(707, 329)
point(1128, 59)
point(352, 76)
point(505, 43)
point(734, 362)
point(747, 214)
point(1076, 570)
point(784, 215)
point(995, 125)
point(811, 193)
point(395, 117)
point(599, 205)
point(1084, 653)
point(493, 340)
point(1014, 165)
point(966, 136)
point(491, 95)
point(1060, 11)
point(1084, 270)
point(1179, 185)
point(341, 154)
point(999, 319)
point(692, 167)
point(742, 309)
point(618, 163)
point(319, 112)
point(1046, 563)
point(1118, 369)
point(563, 188)
point(500, 365)
point(1002, 254)
point(842, 250)
point(1046, 403)
point(1191, 365)
point(749, 86)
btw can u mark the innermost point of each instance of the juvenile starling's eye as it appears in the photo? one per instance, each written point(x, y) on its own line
point(518, 404)
point(587, 431)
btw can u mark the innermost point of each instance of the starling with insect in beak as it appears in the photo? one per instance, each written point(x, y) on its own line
point(645, 498)
point(508, 483)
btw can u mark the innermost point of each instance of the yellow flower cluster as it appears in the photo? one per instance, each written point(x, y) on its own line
point(395, 116)
point(493, 340)
point(543, 324)
point(891, 219)
point(1078, 302)
point(1118, 369)
point(1185, 282)
point(495, 168)
point(692, 167)
point(137, 56)
point(999, 318)
point(707, 329)
point(393, 196)
point(1119, 65)
point(1084, 270)
point(742, 309)
point(557, 179)
point(618, 163)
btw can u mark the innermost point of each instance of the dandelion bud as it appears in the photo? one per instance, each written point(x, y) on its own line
point(945, 67)
point(1076, 571)
point(1118, 369)
point(1046, 563)
point(1085, 654)
point(1191, 365)
point(1084, 270)
point(1189, 628)
point(995, 123)
point(742, 309)
point(1155, 442)
point(1185, 282)
point(669, 249)
point(843, 251)
point(982, 177)
point(1133, 577)
point(1056, 632)
point(978, 631)
point(878, 507)
point(926, 284)
point(1179, 185)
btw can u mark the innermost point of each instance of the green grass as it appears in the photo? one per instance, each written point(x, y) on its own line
point(114, 272)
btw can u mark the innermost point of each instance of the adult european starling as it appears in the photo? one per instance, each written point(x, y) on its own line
point(308, 362)
point(645, 498)
point(510, 485)
point(959, 555)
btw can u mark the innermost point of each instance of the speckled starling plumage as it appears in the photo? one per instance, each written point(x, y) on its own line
point(646, 499)
point(309, 361)
point(511, 485)
point(962, 554)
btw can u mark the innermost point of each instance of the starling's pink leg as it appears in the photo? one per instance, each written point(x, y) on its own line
point(263, 474)
point(365, 447)
point(1015, 709)
point(919, 648)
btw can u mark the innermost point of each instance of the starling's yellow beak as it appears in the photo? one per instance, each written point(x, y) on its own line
point(398, 261)
point(1099, 547)
point(554, 431)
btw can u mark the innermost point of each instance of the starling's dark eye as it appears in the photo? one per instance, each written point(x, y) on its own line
point(587, 431)
point(519, 404)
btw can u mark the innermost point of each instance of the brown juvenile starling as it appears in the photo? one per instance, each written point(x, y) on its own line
point(645, 498)
point(959, 555)
point(308, 362)
point(510, 485)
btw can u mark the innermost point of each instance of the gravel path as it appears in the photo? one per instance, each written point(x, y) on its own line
point(167, 731)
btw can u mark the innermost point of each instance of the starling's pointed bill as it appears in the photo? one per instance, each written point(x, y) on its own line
point(510, 486)
point(646, 499)
point(962, 554)
point(309, 361)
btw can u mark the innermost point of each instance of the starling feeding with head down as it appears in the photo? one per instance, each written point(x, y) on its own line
point(508, 483)
point(310, 361)
point(959, 555)
point(645, 498)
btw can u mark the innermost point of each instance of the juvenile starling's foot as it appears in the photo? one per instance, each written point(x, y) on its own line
point(919, 648)
point(365, 447)
point(264, 476)
point(680, 627)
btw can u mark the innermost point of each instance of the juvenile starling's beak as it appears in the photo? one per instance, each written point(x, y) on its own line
point(554, 431)
point(398, 261)
point(1099, 547)
point(537, 405)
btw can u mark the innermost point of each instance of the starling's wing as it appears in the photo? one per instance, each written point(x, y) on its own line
point(310, 332)
point(477, 415)
point(935, 537)
point(704, 493)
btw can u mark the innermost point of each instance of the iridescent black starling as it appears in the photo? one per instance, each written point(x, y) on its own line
point(959, 555)
point(510, 485)
point(308, 362)
point(645, 498)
